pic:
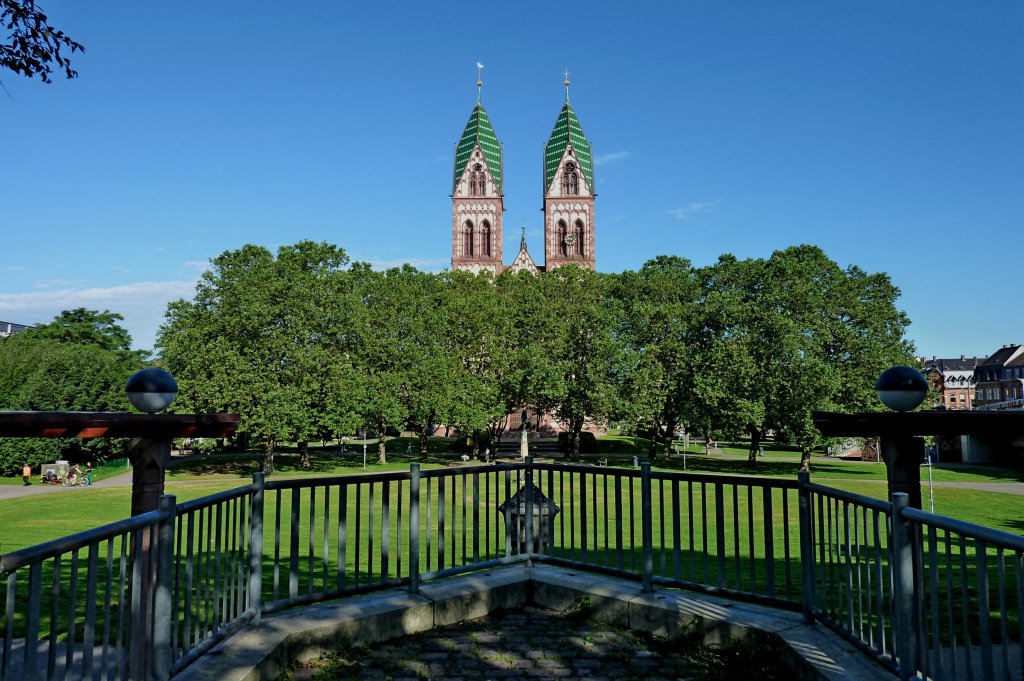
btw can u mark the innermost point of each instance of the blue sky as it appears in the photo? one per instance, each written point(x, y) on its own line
point(890, 134)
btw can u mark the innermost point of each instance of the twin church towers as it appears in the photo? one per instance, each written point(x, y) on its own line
point(478, 196)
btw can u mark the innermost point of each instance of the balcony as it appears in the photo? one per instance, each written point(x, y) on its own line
point(152, 596)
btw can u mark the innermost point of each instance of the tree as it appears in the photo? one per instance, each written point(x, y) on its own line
point(44, 374)
point(656, 329)
point(723, 400)
point(32, 47)
point(481, 316)
point(579, 359)
point(260, 339)
point(823, 336)
point(87, 327)
point(383, 349)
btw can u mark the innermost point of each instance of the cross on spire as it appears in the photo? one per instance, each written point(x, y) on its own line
point(567, 85)
point(479, 80)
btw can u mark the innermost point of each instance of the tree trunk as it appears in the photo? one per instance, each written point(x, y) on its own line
point(755, 443)
point(574, 442)
point(304, 454)
point(268, 455)
point(670, 435)
point(476, 445)
point(805, 457)
point(424, 442)
point(382, 436)
point(652, 445)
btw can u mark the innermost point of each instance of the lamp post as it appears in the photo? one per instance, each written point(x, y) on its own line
point(149, 390)
point(903, 388)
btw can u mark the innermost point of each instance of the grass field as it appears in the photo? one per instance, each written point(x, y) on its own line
point(31, 520)
point(598, 524)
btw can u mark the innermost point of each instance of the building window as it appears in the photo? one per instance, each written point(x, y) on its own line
point(485, 239)
point(467, 239)
point(563, 235)
point(578, 233)
point(570, 179)
point(477, 181)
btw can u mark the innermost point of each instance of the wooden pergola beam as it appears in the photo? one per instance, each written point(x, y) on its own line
point(917, 423)
point(92, 424)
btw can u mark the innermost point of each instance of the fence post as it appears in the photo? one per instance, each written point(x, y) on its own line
point(528, 519)
point(414, 528)
point(903, 587)
point(163, 611)
point(808, 589)
point(646, 524)
point(254, 602)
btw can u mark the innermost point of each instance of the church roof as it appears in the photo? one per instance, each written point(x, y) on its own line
point(523, 259)
point(567, 131)
point(478, 131)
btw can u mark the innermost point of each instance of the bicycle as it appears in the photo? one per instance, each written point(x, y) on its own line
point(79, 481)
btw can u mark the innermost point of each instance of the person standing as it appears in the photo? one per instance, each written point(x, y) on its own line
point(26, 473)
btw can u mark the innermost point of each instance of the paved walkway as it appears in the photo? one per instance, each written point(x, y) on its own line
point(125, 480)
point(528, 642)
point(16, 491)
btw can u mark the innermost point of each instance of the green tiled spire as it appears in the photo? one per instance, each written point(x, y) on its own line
point(478, 131)
point(567, 130)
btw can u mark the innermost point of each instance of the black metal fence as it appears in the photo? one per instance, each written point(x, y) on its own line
point(145, 597)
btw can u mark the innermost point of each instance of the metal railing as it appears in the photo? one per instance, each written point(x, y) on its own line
point(146, 597)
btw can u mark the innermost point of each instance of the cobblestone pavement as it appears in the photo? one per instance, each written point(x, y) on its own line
point(529, 643)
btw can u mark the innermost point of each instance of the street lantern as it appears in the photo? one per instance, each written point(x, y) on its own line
point(901, 388)
point(151, 390)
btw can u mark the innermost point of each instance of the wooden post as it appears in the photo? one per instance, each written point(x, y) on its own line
point(903, 457)
point(149, 463)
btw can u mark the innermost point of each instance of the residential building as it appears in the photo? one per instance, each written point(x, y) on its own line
point(999, 379)
point(953, 381)
point(9, 328)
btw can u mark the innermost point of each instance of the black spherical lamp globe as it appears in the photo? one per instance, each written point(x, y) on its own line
point(151, 390)
point(901, 388)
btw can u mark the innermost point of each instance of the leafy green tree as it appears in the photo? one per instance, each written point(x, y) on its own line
point(43, 374)
point(383, 347)
point(824, 334)
point(483, 318)
point(257, 339)
point(31, 46)
point(723, 402)
point(579, 359)
point(427, 393)
point(86, 327)
point(657, 330)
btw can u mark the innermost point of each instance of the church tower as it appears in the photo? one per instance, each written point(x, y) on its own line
point(568, 193)
point(477, 195)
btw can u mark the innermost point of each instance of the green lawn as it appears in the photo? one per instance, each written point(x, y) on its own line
point(599, 521)
point(31, 520)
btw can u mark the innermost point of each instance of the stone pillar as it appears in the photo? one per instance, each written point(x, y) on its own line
point(524, 449)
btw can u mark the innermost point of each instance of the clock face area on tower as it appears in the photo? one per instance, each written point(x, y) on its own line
point(478, 198)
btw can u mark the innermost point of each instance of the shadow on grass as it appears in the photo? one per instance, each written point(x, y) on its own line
point(244, 464)
point(699, 463)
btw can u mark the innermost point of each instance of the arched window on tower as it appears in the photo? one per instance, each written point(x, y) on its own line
point(485, 239)
point(563, 235)
point(570, 179)
point(477, 181)
point(467, 239)
point(579, 237)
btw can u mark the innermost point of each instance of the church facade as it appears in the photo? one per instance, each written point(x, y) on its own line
point(478, 197)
